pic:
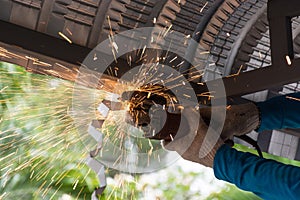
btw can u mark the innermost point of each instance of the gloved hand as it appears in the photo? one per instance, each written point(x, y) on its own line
point(181, 129)
point(185, 133)
point(240, 119)
point(192, 142)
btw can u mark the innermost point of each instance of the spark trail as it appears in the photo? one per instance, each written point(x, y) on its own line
point(39, 137)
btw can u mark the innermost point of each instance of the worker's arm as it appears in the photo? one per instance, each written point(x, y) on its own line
point(266, 178)
point(274, 114)
point(280, 112)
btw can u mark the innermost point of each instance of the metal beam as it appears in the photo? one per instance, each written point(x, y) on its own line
point(236, 85)
point(280, 14)
point(44, 65)
point(294, 132)
point(256, 80)
point(41, 43)
point(264, 140)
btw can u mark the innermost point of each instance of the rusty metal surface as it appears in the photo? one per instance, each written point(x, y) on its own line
point(44, 65)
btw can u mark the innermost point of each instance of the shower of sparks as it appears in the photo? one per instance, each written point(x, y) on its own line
point(167, 31)
point(206, 94)
point(38, 131)
point(288, 60)
point(238, 73)
point(203, 7)
point(154, 20)
point(65, 37)
point(68, 30)
point(260, 55)
point(293, 98)
point(35, 123)
point(95, 57)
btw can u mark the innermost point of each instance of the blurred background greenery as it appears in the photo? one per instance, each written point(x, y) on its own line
point(41, 156)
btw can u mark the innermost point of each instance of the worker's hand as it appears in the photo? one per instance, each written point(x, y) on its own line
point(195, 145)
point(181, 129)
point(186, 134)
point(240, 119)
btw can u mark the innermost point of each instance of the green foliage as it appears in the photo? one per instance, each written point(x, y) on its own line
point(128, 190)
point(39, 155)
point(268, 156)
point(231, 192)
point(177, 186)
